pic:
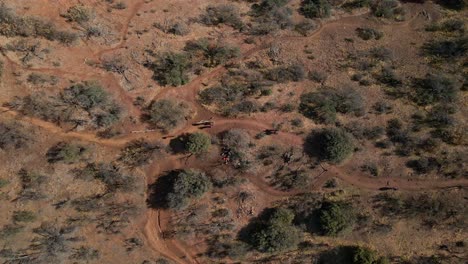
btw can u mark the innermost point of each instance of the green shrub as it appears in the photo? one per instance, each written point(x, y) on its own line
point(350, 5)
point(447, 48)
point(336, 217)
point(23, 216)
point(270, 16)
point(323, 105)
point(198, 143)
point(315, 8)
point(449, 25)
point(434, 88)
point(171, 69)
point(334, 144)
point(369, 33)
point(167, 114)
point(65, 152)
point(222, 14)
point(274, 232)
point(186, 186)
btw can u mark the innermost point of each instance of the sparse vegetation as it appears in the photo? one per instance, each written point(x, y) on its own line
point(65, 152)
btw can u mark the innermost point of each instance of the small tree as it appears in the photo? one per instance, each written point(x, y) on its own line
point(198, 143)
point(275, 232)
point(335, 144)
point(171, 69)
point(186, 186)
point(335, 217)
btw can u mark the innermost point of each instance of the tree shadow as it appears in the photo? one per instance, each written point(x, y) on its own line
point(158, 191)
point(312, 146)
point(177, 145)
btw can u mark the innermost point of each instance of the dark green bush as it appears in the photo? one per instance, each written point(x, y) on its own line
point(447, 48)
point(315, 8)
point(171, 69)
point(368, 33)
point(186, 186)
point(198, 143)
point(336, 217)
point(449, 25)
point(434, 88)
point(333, 144)
point(323, 105)
point(274, 231)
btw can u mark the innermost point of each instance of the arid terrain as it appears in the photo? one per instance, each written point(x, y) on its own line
point(233, 131)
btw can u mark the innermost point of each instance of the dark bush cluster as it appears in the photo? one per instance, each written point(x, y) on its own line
point(451, 48)
point(178, 189)
point(84, 103)
point(336, 217)
point(322, 106)
point(368, 33)
point(330, 144)
point(273, 231)
point(388, 9)
point(171, 69)
point(222, 14)
point(12, 25)
point(270, 16)
point(315, 8)
point(351, 255)
point(434, 88)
